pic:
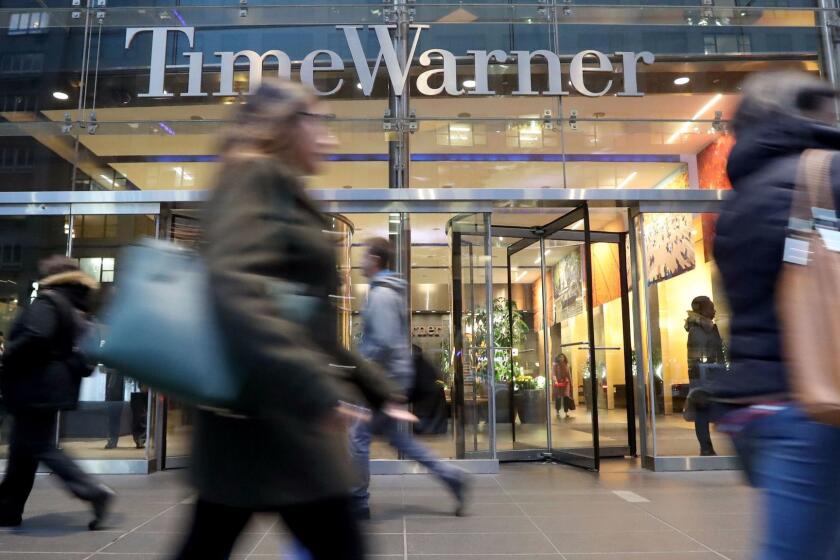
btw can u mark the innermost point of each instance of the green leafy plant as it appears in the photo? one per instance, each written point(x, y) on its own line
point(524, 383)
point(503, 336)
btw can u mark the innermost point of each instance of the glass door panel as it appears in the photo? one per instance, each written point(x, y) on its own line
point(472, 336)
point(616, 415)
point(575, 391)
point(524, 371)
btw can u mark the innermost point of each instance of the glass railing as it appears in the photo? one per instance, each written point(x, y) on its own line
point(271, 13)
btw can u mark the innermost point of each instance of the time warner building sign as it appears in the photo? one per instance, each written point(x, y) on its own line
point(443, 73)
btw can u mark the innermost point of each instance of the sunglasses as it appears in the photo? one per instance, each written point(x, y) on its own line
point(316, 116)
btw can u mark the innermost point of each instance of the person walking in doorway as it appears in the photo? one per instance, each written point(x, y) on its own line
point(562, 385)
point(385, 341)
point(705, 346)
point(42, 373)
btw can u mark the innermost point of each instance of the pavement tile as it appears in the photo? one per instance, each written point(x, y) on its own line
point(481, 544)
point(525, 512)
point(629, 541)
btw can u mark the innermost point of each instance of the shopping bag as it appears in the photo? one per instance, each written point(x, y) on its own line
point(161, 329)
point(808, 296)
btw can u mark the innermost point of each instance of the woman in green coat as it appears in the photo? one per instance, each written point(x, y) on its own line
point(273, 274)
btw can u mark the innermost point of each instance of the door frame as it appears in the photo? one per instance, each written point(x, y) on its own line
point(558, 230)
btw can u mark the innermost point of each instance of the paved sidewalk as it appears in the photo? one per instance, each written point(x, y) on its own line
point(527, 511)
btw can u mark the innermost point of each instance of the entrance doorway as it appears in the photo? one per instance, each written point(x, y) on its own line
point(560, 295)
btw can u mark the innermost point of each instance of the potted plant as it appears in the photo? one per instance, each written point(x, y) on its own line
point(529, 397)
point(505, 366)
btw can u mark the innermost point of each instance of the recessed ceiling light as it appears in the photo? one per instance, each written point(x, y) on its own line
point(682, 80)
point(61, 96)
point(358, 85)
point(469, 83)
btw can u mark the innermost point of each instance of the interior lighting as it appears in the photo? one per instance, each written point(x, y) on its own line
point(521, 275)
point(682, 129)
point(682, 80)
point(108, 179)
point(61, 96)
point(469, 83)
point(627, 180)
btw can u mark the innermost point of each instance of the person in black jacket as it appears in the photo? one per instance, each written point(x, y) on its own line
point(793, 459)
point(41, 375)
point(705, 346)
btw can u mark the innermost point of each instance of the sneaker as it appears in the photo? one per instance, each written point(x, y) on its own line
point(102, 507)
point(462, 493)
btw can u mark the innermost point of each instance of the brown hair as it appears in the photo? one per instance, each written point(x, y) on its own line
point(56, 264)
point(381, 248)
point(264, 125)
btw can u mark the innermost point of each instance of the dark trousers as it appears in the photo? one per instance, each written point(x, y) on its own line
point(33, 441)
point(701, 430)
point(327, 529)
point(562, 403)
point(793, 461)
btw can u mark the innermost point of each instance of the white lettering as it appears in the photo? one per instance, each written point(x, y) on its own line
point(308, 69)
point(157, 63)
point(449, 71)
point(397, 70)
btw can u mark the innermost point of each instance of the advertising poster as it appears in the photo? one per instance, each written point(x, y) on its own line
point(669, 245)
point(568, 285)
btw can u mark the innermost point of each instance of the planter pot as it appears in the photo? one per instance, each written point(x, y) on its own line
point(530, 406)
point(502, 404)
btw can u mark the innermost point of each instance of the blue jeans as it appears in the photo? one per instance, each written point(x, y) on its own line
point(796, 464)
point(361, 434)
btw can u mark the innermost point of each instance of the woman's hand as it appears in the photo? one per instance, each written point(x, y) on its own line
point(398, 412)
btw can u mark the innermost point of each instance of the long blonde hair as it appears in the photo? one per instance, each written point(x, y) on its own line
point(264, 126)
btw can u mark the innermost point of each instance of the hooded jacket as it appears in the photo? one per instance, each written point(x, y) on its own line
point(750, 239)
point(705, 346)
point(41, 369)
point(385, 338)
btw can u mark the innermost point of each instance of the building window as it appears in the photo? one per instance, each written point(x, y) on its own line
point(28, 23)
point(726, 43)
point(18, 103)
point(10, 256)
point(22, 63)
point(95, 227)
point(101, 269)
point(14, 159)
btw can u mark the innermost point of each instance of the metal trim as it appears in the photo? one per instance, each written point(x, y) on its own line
point(394, 467)
point(112, 208)
point(686, 464)
point(498, 198)
point(105, 466)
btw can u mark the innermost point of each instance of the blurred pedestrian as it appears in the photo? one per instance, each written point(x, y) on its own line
point(385, 341)
point(42, 373)
point(273, 272)
point(792, 458)
point(705, 346)
point(562, 385)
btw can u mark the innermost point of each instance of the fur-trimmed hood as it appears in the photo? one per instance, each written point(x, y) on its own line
point(73, 277)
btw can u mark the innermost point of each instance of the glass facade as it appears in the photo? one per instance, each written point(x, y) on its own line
point(549, 172)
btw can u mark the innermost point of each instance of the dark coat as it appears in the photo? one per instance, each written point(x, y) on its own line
point(705, 345)
point(273, 270)
point(750, 240)
point(41, 368)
